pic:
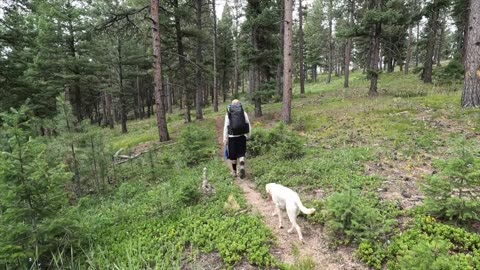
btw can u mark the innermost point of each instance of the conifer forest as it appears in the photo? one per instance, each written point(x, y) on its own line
point(112, 148)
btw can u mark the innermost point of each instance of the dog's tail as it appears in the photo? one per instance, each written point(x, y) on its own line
point(306, 211)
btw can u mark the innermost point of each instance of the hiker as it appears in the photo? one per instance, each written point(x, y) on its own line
point(236, 130)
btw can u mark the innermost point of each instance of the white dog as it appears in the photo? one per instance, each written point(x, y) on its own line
point(285, 198)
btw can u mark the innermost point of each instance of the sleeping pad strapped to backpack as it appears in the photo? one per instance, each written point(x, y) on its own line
point(238, 125)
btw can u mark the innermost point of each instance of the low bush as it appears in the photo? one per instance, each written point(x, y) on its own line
point(279, 142)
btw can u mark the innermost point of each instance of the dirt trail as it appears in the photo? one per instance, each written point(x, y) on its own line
point(288, 248)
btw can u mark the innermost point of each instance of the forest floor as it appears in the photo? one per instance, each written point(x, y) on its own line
point(288, 249)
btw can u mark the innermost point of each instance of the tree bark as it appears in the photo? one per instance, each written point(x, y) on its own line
point(215, 90)
point(287, 63)
point(157, 59)
point(301, 41)
point(471, 89)
point(123, 101)
point(349, 45)
point(282, 41)
point(375, 32)
point(428, 66)
point(108, 110)
point(409, 50)
point(330, 41)
point(236, 75)
point(199, 58)
point(441, 38)
point(181, 65)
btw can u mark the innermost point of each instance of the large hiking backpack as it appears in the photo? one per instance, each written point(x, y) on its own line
point(238, 124)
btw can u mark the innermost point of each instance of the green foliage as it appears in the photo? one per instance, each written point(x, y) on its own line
point(144, 226)
point(371, 254)
point(450, 74)
point(432, 245)
point(353, 217)
point(31, 206)
point(196, 145)
point(453, 193)
point(279, 142)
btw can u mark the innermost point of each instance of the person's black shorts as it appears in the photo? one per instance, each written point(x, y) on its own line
point(237, 146)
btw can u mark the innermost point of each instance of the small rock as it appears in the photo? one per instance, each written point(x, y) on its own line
point(405, 194)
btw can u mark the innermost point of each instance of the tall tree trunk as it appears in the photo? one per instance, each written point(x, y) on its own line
point(169, 97)
point(375, 32)
point(108, 110)
point(157, 59)
point(181, 65)
point(417, 41)
point(199, 93)
point(139, 95)
point(76, 96)
point(123, 101)
point(441, 39)
point(409, 50)
point(287, 64)
point(301, 44)
point(433, 23)
point(330, 40)
point(236, 75)
point(282, 41)
point(465, 29)
point(215, 90)
point(349, 45)
point(471, 89)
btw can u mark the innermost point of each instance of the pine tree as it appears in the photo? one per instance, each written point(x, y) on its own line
point(30, 224)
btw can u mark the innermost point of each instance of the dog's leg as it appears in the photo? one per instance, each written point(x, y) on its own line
point(279, 213)
point(292, 216)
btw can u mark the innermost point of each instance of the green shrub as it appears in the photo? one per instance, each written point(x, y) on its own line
point(354, 217)
point(452, 73)
point(196, 145)
point(278, 141)
point(453, 193)
point(433, 245)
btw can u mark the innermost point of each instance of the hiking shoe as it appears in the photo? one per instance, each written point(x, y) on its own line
point(233, 174)
point(242, 169)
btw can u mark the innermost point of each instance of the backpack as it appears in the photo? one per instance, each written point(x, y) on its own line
point(238, 124)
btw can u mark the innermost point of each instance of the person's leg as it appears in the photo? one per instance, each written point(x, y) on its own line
point(242, 167)
point(242, 149)
point(232, 154)
point(234, 167)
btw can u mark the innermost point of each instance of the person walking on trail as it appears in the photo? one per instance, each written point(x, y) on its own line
point(236, 130)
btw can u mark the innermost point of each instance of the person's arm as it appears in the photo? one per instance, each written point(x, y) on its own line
point(225, 129)
point(249, 125)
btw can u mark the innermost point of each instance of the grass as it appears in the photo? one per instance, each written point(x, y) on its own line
point(406, 127)
point(157, 217)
